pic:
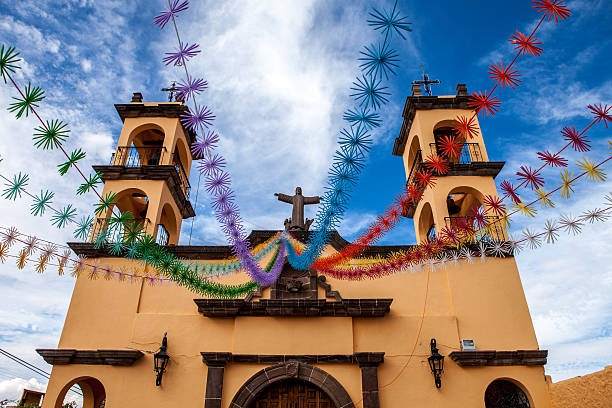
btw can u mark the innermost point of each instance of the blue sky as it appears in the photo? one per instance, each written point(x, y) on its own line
point(279, 77)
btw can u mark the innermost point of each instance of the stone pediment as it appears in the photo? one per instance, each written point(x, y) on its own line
point(295, 293)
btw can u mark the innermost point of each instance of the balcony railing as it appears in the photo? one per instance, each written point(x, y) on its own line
point(115, 232)
point(184, 180)
point(162, 235)
point(493, 231)
point(131, 156)
point(469, 153)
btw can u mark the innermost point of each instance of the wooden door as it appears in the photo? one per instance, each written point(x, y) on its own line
point(292, 394)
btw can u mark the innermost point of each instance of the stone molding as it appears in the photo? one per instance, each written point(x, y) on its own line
point(483, 358)
point(361, 358)
point(160, 172)
point(164, 110)
point(294, 307)
point(90, 357)
point(414, 103)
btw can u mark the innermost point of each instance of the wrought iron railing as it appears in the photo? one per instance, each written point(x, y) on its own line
point(469, 153)
point(416, 162)
point(162, 235)
point(113, 232)
point(184, 179)
point(489, 228)
point(131, 156)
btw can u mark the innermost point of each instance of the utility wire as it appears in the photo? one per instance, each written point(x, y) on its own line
point(33, 368)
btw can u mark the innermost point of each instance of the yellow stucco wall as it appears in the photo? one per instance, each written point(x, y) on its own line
point(483, 301)
point(592, 391)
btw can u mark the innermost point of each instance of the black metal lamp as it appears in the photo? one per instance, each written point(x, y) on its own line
point(436, 363)
point(160, 360)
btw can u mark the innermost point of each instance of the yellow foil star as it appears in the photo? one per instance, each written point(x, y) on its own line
point(567, 183)
point(545, 202)
point(526, 210)
point(593, 173)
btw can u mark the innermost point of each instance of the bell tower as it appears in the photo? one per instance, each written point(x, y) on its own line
point(149, 171)
point(457, 195)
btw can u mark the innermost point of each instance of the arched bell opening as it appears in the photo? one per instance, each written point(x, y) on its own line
point(465, 208)
point(145, 147)
point(426, 227)
point(506, 393)
point(444, 130)
point(133, 204)
point(94, 394)
point(415, 158)
point(168, 226)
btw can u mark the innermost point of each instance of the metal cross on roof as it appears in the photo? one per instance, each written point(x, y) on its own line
point(172, 90)
point(427, 82)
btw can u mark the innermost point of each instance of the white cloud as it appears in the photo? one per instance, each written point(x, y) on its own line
point(12, 389)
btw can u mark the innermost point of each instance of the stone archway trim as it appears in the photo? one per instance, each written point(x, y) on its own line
point(291, 370)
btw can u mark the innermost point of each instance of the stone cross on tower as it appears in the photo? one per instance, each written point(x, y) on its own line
point(296, 222)
point(427, 82)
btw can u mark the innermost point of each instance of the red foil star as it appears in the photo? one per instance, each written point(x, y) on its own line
point(450, 146)
point(552, 9)
point(466, 127)
point(601, 112)
point(526, 45)
point(553, 160)
point(579, 142)
point(504, 75)
point(485, 103)
point(531, 177)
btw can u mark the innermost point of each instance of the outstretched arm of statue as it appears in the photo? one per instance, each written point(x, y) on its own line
point(312, 200)
point(284, 197)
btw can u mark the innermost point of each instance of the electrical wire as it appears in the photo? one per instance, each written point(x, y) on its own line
point(35, 369)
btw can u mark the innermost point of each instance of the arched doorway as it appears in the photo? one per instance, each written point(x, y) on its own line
point(292, 394)
point(284, 373)
point(505, 394)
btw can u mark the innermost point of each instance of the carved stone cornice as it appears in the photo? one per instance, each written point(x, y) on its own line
point(483, 358)
point(224, 358)
point(294, 307)
point(160, 172)
point(164, 110)
point(90, 357)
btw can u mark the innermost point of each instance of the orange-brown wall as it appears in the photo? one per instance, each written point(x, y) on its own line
point(482, 301)
point(592, 391)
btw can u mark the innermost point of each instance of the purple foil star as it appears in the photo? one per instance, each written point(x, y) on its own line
point(225, 202)
point(217, 183)
point(201, 116)
point(209, 141)
point(182, 55)
point(162, 19)
point(212, 165)
point(192, 87)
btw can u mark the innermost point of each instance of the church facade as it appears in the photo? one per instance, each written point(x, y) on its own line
point(307, 341)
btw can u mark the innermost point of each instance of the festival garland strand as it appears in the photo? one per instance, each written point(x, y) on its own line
point(377, 61)
point(33, 245)
point(451, 146)
point(50, 135)
point(104, 238)
point(464, 235)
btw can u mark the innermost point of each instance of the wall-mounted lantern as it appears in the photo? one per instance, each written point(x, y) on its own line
point(160, 361)
point(436, 363)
